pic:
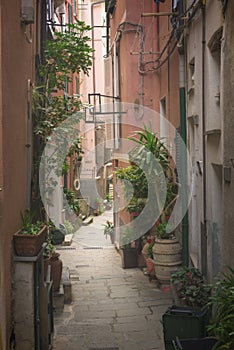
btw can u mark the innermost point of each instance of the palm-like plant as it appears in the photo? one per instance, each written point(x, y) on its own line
point(149, 142)
point(151, 148)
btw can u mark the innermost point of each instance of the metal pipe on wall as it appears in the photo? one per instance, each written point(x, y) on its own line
point(28, 145)
point(183, 134)
point(92, 40)
point(204, 224)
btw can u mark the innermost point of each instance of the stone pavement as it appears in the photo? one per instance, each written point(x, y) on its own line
point(112, 308)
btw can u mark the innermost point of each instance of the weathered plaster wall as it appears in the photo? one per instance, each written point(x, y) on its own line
point(16, 68)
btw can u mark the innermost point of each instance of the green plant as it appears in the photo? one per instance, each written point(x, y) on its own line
point(149, 148)
point(29, 226)
point(99, 205)
point(222, 302)
point(149, 142)
point(69, 227)
point(138, 183)
point(135, 206)
point(68, 52)
point(150, 249)
point(163, 231)
point(190, 286)
point(49, 249)
point(72, 200)
point(128, 238)
point(108, 228)
point(108, 197)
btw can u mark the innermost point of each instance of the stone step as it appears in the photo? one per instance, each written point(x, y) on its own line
point(87, 221)
point(64, 295)
point(58, 299)
point(67, 286)
point(68, 239)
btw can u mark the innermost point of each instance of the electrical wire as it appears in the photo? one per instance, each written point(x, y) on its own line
point(176, 29)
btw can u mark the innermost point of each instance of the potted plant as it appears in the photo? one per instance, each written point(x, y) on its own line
point(109, 230)
point(221, 323)
point(149, 152)
point(108, 201)
point(98, 209)
point(147, 252)
point(28, 241)
point(129, 249)
point(166, 252)
point(185, 323)
point(222, 302)
point(189, 287)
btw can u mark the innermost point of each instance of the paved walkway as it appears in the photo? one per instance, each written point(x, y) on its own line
point(112, 308)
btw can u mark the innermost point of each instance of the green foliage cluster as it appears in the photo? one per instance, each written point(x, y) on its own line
point(30, 227)
point(108, 228)
point(136, 177)
point(149, 144)
point(135, 187)
point(66, 53)
point(163, 232)
point(69, 227)
point(190, 286)
point(72, 201)
point(222, 300)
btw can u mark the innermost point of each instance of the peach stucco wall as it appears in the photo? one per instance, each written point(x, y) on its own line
point(16, 67)
point(140, 82)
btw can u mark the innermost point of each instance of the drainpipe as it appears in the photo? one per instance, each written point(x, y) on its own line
point(204, 226)
point(93, 57)
point(183, 134)
point(28, 145)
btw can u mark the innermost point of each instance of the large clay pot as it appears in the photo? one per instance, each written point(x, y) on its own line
point(56, 267)
point(167, 258)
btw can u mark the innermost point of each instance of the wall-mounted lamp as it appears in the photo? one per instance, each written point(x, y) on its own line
point(27, 11)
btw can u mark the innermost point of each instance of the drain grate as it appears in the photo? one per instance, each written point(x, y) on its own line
point(66, 248)
point(103, 348)
point(92, 247)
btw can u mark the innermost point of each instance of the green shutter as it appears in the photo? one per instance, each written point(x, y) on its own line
point(75, 8)
point(70, 13)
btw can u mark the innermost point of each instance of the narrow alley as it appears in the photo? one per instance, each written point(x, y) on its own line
point(112, 308)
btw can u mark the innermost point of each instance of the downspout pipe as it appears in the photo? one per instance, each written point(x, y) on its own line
point(92, 41)
point(28, 146)
point(204, 226)
point(183, 135)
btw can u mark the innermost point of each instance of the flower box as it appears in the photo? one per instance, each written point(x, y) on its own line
point(29, 245)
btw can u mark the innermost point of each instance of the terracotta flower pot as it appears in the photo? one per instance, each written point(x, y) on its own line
point(29, 245)
point(167, 258)
point(150, 266)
